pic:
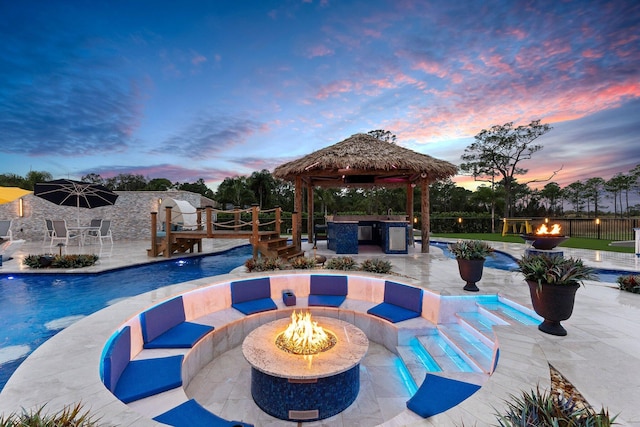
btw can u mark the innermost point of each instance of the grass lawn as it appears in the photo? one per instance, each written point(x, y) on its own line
point(573, 242)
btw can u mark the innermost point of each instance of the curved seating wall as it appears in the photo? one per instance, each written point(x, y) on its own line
point(212, 305)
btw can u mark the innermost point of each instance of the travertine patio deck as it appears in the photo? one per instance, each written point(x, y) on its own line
point(600, 355)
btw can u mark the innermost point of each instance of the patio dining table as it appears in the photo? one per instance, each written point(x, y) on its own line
point(83, 231)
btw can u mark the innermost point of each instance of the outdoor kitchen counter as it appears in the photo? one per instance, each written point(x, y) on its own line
point(346, 233)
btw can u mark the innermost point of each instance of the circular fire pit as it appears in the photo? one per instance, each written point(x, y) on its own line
point(544, 241)
point(299, 387)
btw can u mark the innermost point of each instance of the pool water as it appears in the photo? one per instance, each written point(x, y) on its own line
point(34, 307)
point(504, 261)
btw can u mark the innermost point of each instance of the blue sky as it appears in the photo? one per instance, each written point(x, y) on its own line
point(214, 89)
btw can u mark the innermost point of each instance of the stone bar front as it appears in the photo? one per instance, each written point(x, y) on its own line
point(305, 388)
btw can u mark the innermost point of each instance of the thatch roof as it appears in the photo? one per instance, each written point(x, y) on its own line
point(363, 160)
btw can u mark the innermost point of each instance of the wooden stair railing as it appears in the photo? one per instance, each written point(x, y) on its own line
point(265, 242)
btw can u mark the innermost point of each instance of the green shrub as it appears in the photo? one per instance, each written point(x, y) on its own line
point(342, 263)
point(376, 265)
point(264, 264)
point(60, 261)
point(303, 263)
point(629, 283)
point(69, 416)
point(544, 409)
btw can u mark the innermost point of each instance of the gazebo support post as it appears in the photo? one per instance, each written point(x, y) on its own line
point(424, 211)
point(409, 209)
point(310, 209)
point(297, 219)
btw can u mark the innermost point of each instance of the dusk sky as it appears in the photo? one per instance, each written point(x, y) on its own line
point(214, 89)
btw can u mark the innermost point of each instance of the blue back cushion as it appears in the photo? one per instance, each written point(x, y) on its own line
point(328, 285)
point(117, 357)
point(252, 289)
point(159, 319)
point(403, 296)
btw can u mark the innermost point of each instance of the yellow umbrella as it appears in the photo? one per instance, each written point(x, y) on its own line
point(9, 194)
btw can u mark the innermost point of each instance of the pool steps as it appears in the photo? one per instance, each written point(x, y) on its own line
point(463, 350)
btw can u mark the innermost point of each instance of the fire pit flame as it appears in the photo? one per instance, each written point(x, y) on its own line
point(304, 336)
point(555, 229)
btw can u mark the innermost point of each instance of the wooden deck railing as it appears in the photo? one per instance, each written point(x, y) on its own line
point(237, 223)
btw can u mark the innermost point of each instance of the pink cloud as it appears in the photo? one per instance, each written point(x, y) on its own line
point(334, 88)
point(319, 50)
point(369, 32)
point(198, 59)
point(518, 33)
point(430, 67)
point(496, 61)
point(592, 54)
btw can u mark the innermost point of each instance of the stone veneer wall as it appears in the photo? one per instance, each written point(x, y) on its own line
point(130, 216)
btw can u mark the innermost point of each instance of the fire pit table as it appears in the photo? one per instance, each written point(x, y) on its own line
point(305, 387)
point(545, 239)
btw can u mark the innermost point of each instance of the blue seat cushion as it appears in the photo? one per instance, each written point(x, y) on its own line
point(144, 378)
point(404, 296)
point(116, 357)
point(392, 312)
point(159, 319)
point(192, 414)
point(183, 335)
point(438, 394)
point(328, 285)
point(326, 300)
point(255, 306)
point(252, 289)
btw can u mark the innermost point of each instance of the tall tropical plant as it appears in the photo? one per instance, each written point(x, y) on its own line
point(499, 151)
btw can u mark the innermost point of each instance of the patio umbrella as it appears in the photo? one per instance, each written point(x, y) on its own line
point(9, 194)
point(67, 192)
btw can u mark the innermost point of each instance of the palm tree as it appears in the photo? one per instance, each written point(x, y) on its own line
point(262, 184)
point(552, 193)
point(593, 191)
point(575, 194)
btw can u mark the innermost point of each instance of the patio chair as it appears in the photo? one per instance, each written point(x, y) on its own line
point(61, 233)
point(48, 231)
point(94, 231)
point(104, 232)
point(5, 229)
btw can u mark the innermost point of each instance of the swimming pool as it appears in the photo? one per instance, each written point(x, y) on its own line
point(34, 307)
point(504, 261)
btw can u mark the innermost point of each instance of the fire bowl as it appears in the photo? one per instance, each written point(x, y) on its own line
point(544, 241)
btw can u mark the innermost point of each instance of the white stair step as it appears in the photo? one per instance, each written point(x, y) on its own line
point(444, 355)
point(472, 349)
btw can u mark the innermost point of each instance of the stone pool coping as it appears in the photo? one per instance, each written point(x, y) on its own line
point(65, 369)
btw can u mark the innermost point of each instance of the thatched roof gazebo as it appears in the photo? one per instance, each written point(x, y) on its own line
point(363, 161)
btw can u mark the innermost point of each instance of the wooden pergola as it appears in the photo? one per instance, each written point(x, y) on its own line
point(364, 161)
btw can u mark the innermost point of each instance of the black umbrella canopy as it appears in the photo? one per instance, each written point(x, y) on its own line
point(67, 192)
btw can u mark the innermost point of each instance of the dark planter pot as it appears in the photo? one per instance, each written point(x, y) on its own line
point(471, 272)
point(554, 303)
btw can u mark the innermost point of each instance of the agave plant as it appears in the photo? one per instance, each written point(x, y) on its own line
point(342, 263)
point(376, 265)
point(554, 269)
point(69, 416)
point(471, 249)
point(629, 283)
point(544, 409)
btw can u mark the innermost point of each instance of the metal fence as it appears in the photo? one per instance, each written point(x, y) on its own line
point(616, 229)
